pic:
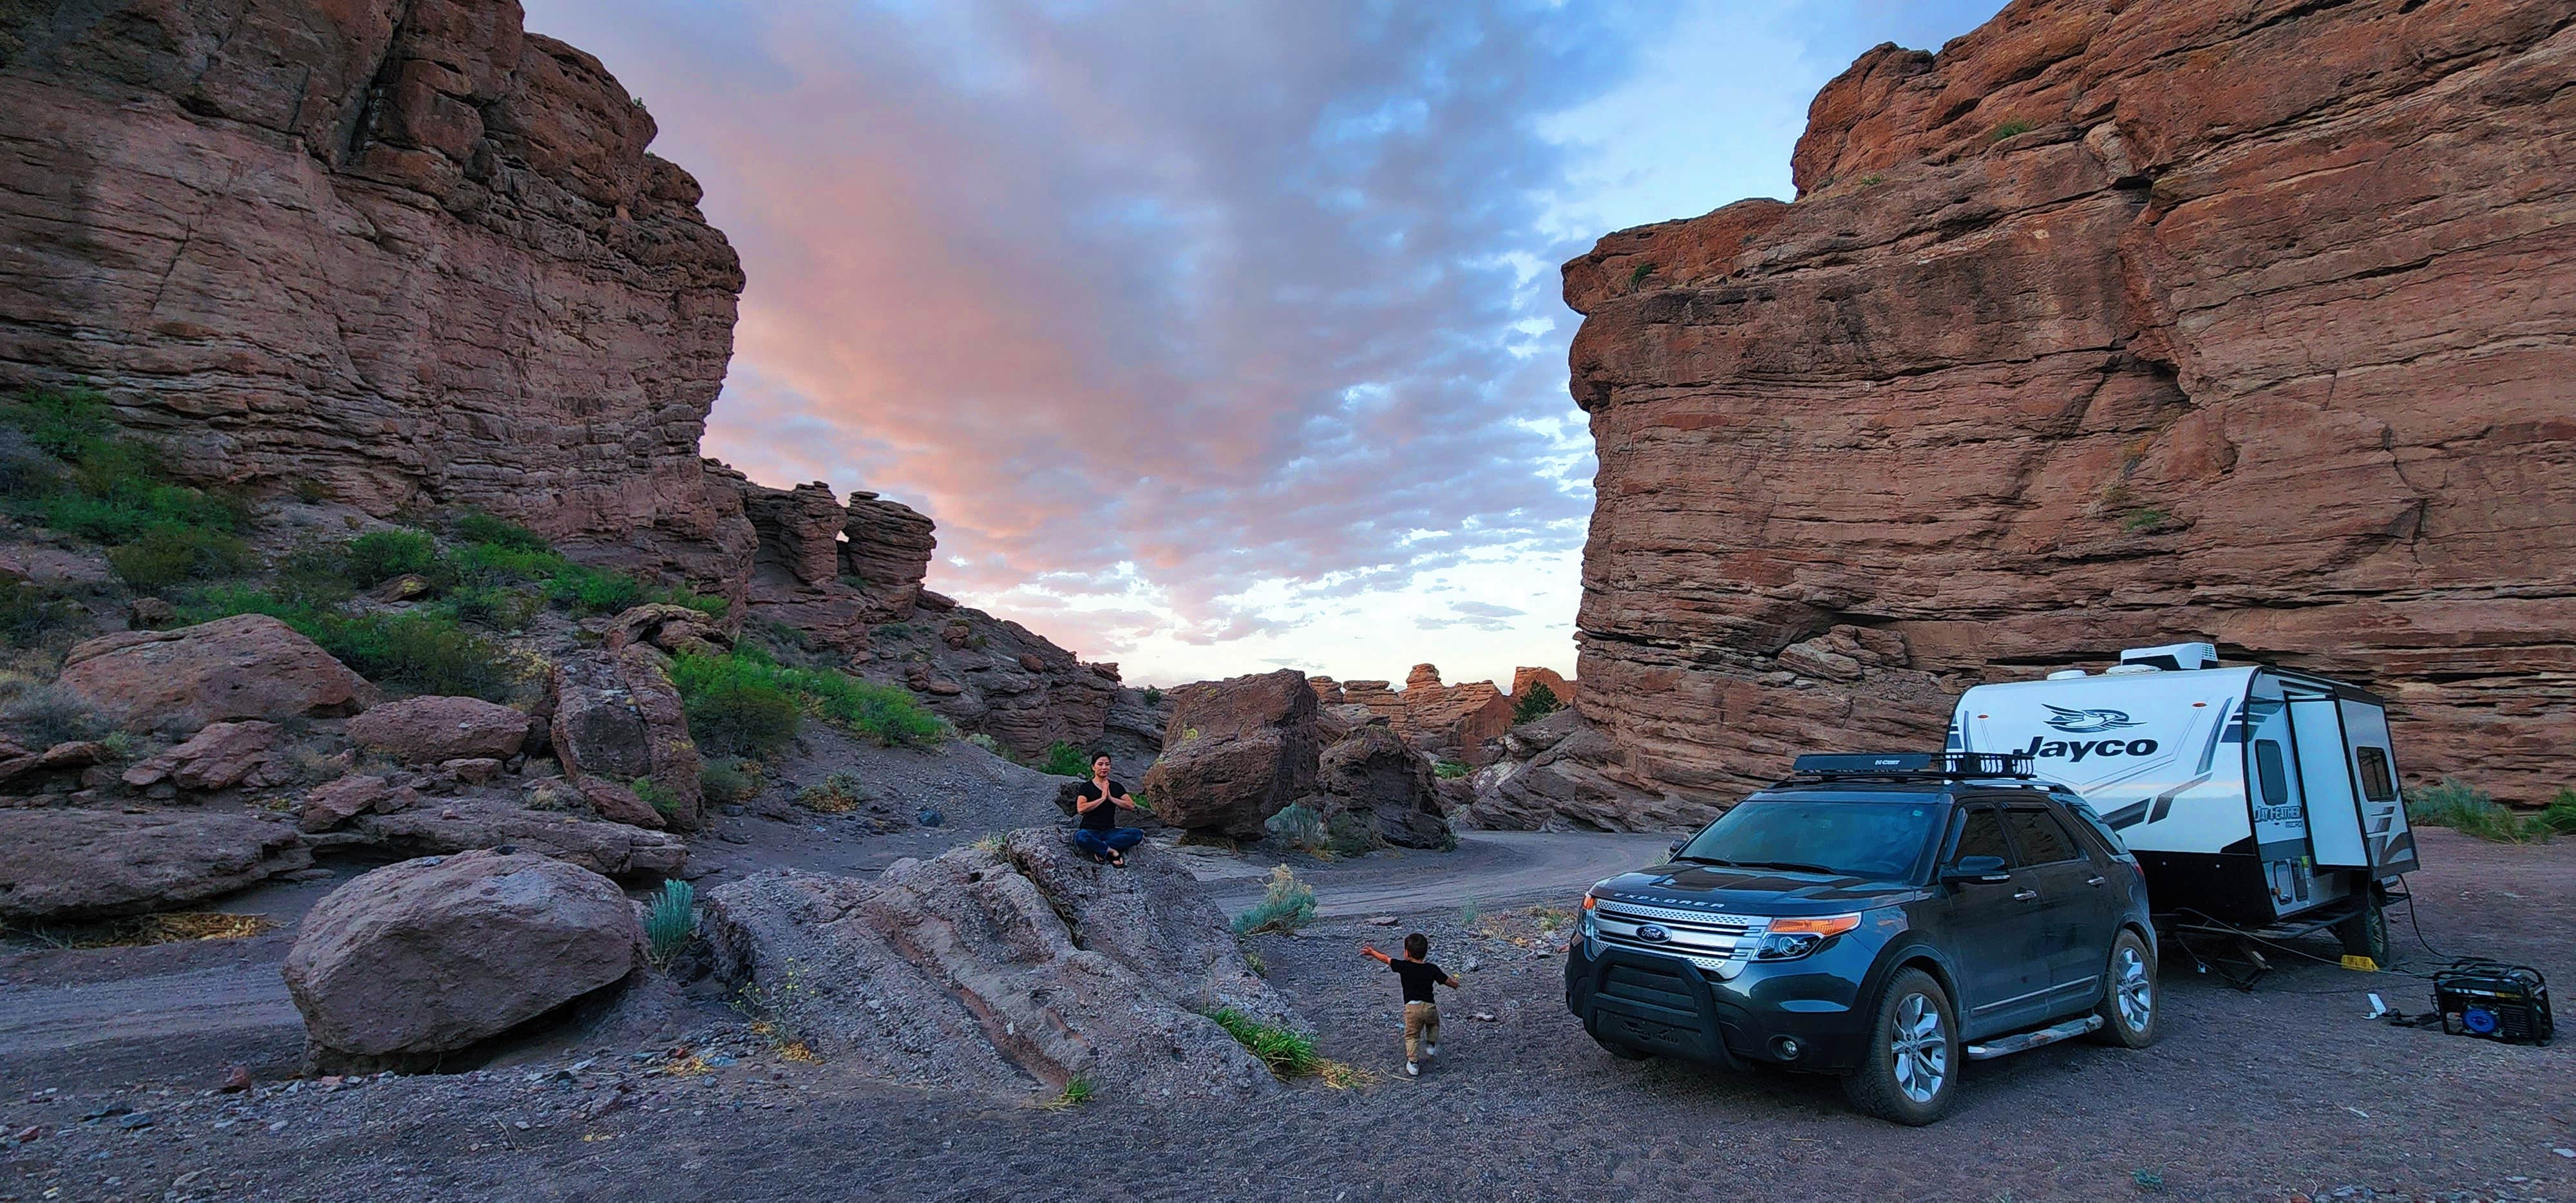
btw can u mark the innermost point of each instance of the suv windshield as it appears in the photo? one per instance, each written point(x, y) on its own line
point(1879, 840)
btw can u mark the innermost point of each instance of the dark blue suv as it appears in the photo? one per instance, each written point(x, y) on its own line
point(1880, 917)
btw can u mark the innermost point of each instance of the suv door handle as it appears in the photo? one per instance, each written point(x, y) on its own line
point(2025, 895)
point(2095, 880)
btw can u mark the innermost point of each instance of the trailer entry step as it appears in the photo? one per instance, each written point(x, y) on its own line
point(2027, 1041)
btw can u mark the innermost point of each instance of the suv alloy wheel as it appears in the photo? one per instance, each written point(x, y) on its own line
point(1911, 1073)
point(2128, 1007)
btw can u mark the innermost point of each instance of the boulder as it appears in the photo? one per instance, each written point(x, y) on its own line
point(17, 760)
point(437, 826)
point(472, 770)
point(1373, 774)
point(433, 955)
point(218, 756)
point(71, 865)
point(1009, 970)
point(1235, 752)
point(617, 717)
point(249, 666)
point(672, 628)
point(427, 730)
point(335, 802)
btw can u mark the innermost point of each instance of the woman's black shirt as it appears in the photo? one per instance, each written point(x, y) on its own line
point(1106, 817)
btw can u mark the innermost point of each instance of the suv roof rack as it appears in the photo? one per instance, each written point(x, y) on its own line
point(1916, 765)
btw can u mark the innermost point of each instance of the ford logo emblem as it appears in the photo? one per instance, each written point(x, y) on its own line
point(1653, 933)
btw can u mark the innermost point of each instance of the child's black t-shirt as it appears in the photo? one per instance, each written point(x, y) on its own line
point(1419, 977)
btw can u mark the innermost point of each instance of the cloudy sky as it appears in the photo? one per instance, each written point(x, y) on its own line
point(1216, 338)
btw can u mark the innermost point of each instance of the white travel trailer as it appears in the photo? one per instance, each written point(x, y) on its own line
point(2254, 797)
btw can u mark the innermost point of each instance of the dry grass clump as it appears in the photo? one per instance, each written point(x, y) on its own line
point(169, 928)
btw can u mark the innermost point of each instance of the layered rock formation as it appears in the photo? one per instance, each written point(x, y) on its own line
point(400, 249)
point(1451, 722)
point(1239, 751)
point(2110, 324)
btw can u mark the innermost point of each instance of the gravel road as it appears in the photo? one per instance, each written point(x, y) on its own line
point(2280, 1094)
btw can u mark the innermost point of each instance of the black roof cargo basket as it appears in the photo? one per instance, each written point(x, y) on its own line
point(1906, 765)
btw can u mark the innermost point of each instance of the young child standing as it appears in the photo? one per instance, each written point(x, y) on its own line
point(1421, 1014)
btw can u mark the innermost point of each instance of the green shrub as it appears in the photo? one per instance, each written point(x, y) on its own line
point(1065, 759)
point(2010, 128)
point(497, 607)
point(1153, 695)
point(475, 526)
point(2559, 817)
point(1450, 768)
point(163, 556)
point(1350, 833)
point(1288, 1052)
point(424, 651)
point(61, 423)
point(728, 778)
point(656, 795)
point(28, 614)
point(379, 556)
point(884, 713)
point(51, 714)
point(734, 708)
point(2469, 810)
point(1537, 704)
point(1637, 275)
point(839, 793)
point(576, 587)
point(1286, 905)
point(1296, 825)
point(673, 919)
point(1078, 1090)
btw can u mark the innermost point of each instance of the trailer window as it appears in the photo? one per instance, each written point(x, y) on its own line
point(2267, 765)
point(2042, 840)
point(2377, 783)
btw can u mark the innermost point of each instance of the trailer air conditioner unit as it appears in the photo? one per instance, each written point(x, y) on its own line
point(2173, 657)
point(2251, 795)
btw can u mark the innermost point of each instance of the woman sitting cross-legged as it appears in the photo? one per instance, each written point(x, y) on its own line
point(1095, 807)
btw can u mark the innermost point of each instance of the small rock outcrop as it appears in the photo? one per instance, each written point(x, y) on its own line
point(1010, 970)
point(430, 729)
point(1558, 773)
point(617, 721)
point(434, 955)
point(409, 824)
point(1446, 722)
point(71, 865)
point(218, 756)
point(1235, 752)
point(249, 666)
point(1372, 773)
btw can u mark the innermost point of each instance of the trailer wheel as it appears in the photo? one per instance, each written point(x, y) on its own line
point(1911, 1073)
point(2128, 1009)
point(2366, 934)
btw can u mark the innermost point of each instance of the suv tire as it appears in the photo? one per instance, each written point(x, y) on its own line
point(2128, 1008)
point(1911, 1073)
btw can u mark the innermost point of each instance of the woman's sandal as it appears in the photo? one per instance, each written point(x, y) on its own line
point(1116, 860)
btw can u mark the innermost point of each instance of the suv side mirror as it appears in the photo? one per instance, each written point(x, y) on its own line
point(1976, 870)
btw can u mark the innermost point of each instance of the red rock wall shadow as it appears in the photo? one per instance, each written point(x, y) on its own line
point(2111, 324)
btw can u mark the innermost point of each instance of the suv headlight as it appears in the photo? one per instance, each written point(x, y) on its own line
point(1790, 939)
point(1589, 928)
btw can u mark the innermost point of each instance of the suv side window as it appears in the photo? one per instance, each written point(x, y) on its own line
point(1981, 833)
point(2042, 839)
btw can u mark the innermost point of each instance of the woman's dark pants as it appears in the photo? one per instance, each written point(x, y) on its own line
point(1101, 843)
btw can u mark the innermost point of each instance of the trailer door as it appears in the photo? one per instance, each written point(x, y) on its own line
point(2325, 770)
point(2374, 770)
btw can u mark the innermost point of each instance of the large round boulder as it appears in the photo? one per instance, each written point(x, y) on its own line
point(249, 666)
point(429, 956)
point(427, 730)
point(1235, 752)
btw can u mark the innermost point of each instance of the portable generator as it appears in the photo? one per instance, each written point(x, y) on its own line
point(2493, 1001)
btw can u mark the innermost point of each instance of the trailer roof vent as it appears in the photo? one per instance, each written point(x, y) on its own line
point(2173, 657)
point(2066, 674)
point(2118, 670)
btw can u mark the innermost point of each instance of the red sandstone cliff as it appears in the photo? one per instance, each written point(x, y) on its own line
point(2113, 323)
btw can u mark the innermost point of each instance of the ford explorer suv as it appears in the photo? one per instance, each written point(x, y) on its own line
point(1885, 918)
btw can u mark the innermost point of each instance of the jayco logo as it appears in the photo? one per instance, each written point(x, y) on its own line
point(2078, 749)
point(2086, 722)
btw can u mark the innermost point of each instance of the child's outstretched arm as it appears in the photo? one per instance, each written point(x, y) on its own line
point(1370, 951)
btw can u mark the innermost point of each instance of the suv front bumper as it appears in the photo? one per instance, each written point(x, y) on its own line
point(1670, 1007)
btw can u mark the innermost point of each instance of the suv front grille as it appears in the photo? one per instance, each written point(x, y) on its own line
point(1719, 943)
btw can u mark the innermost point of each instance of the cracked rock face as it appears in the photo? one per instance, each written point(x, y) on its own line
point(2109, 325)
point(1011, 969)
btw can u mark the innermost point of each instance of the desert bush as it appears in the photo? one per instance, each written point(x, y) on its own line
point(524, 559)
point(726, 779)
point(656, 795)
point(1065, 759)
point(735, 708)
point(1288, 1052)
point(1078, 1090)
point(1450, 768)
point(424, 651)
point(50, 714)
point(1297, 825)
point(1350, 833)
point(986, 742)
point(28, 614)
point(1537, 704)
point(475, 526)
point(379, 556)
point(2469, 810)
point(2009, 129)
point(495, 607)
point(673, 919)
point(163, 556)
point(839, 793)
point(1286, 905)
point(885, 713)
point(1153, 695)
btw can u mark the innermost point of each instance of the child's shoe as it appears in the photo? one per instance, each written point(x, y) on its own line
point(1429, 1051)
point(1412, 1070)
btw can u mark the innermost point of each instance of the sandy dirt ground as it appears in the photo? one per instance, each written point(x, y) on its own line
point(2283, 1093)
